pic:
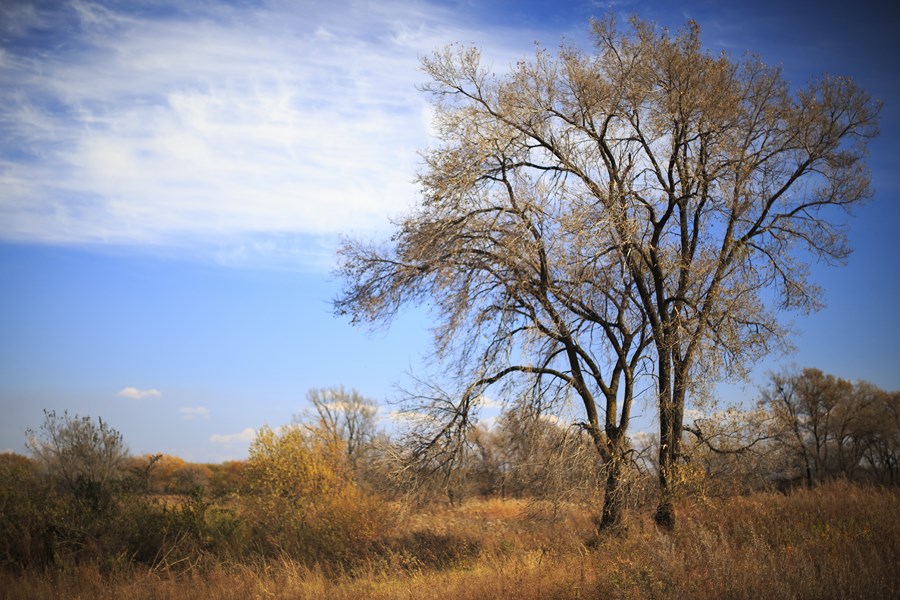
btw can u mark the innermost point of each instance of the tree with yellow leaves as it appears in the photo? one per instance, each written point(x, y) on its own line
point(300, 493)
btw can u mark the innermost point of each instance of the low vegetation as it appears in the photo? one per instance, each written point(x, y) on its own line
point(306, 515)
point(837, 541)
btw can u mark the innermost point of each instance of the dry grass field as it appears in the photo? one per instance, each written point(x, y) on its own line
point(836, 541)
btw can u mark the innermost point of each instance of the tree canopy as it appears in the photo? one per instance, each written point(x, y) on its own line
point(591, 220)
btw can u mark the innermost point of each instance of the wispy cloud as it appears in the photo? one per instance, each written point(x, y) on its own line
point(692, 414)
point(551, 418)
point(137, 394)
point(410, 416)
point(189, 413)
point(488, 402)
point(642, 439)
point(253, 132)
point(243, 437)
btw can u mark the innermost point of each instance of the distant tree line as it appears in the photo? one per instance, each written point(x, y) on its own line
point(327, 486)
point(806, 427)
point(829, 428)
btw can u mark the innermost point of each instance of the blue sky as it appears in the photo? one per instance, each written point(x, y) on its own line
point(174, 176)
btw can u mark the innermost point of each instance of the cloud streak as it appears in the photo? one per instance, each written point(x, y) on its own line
point(138, 394)
point(228, 439)
point(189, 413)
point(255, 132)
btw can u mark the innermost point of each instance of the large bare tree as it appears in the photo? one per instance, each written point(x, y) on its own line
point(587, 211)
point(527, 291)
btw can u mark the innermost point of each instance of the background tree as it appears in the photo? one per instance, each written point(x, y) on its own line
point(582, 208)
point(734, 451)
point(226, 477)
point(829, 427)
point(81, 457)
point(347, 416)
point(881, 430)
point(545, 458)
point(528, 455)
point(294, 468)
point(300, 497)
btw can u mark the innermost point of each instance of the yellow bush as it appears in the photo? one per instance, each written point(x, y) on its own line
point(296, 467)
point(301, 496)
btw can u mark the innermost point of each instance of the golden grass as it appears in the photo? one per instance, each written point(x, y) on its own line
point(838, 541)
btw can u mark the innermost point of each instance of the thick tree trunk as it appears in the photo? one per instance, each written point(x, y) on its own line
point(665, 511)
point(614, 497)
point(672, 399)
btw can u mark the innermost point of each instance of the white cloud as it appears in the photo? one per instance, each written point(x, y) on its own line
point(346, 407)
point(410, 416)
point(244, 437)
point(189, 413)
point(137, 394)
point(487, 402)
point(551, 418)
point(642, 439)
point(489, 422)
point(252, 131)
point(692, 414)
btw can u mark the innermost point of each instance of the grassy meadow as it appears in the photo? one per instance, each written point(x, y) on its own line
point(839, 540)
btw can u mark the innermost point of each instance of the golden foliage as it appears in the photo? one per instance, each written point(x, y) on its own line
point(296, 467)
point(300, 495)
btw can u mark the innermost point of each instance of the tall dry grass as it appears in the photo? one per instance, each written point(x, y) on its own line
point(837, 541)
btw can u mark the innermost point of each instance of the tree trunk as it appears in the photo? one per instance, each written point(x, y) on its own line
point(672, 399)
point(613, 497)
point(665, 511)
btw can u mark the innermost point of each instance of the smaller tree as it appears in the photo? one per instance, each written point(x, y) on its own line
point(831, 427)
point(84, 467)
point(142, 471)
point(302, 499)
point(346, 416)
point(294, 469)
point(25, 539)
point(880, 427)
point(81, 457)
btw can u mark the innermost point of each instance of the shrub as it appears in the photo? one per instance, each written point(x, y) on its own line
point(25, 539)
point(301, 499)
point(81, 458)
